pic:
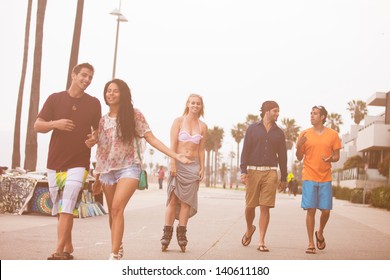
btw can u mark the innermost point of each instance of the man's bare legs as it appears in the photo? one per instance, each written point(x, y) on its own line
point(263, 223)
point(64, 233)
point(310, 222)
point(249, 218)
point(325, 214)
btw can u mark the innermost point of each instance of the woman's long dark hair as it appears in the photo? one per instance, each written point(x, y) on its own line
point(125, 119)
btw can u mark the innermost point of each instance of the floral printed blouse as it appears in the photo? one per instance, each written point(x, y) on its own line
point(112, 153)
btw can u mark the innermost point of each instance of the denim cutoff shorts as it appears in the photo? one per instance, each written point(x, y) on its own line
point(113, 176)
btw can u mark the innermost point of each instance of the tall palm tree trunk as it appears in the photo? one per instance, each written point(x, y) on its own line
point(215, 166)
point(16, 146)
point(238, 163)
point(213, 170)
point(30, 161)
point(74, 55)
point(208, 169)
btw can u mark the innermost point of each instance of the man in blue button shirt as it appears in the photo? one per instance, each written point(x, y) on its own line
point(263, 150)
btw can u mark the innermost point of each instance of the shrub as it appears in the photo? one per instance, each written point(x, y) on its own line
point(380, 197)
point(357, 196)
point(343, 193)
point(383, 167)
point(352, 162)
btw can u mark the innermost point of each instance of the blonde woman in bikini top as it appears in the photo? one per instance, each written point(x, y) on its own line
point(188, 135)
point(188, 131)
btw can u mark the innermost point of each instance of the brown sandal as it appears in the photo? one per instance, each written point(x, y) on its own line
point(246, 240)
point(320, 242)
point(61, 257)
point(310, 250)
point(263, 248)
point(68, 255)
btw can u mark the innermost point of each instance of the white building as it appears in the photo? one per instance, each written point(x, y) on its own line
point(372, 142)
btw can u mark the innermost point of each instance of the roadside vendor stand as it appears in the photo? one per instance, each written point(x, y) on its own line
point(29, 194)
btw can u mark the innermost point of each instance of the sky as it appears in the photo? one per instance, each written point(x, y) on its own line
point(235, 53)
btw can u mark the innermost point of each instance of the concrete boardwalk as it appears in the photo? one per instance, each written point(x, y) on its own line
point(354, 232)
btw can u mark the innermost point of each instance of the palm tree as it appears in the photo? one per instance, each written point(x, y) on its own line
point(74, 55)
point(30, 161)
point(223, 170)
point(291, 132)
point(16, 146)
point(151, 153)
point(208, 146)
point(216, 137)
point(358, 109)
point(334, 121)
point(238, 133)
point(251, 119)
point(151, 168)
point(233, 175)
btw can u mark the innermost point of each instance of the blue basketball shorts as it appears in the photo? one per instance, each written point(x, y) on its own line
point(317, 195)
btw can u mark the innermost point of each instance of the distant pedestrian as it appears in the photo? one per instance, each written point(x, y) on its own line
point(293, 187)
point(318, 146)
point(161, 176)
point(263, 151)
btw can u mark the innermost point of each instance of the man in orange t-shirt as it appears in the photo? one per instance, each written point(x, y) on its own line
point(318, 146)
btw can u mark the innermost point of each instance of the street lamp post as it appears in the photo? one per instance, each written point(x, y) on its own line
point(120, 18)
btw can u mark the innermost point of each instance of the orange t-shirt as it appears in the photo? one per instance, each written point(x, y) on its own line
point(315, 148)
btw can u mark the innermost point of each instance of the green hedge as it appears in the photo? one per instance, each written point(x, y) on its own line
point(380, 197)
point(343, 193)
point(357, 196)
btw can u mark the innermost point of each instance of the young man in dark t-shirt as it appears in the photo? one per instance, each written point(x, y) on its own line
point(72, 116)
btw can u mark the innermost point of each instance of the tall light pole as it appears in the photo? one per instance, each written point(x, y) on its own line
point(120, 18)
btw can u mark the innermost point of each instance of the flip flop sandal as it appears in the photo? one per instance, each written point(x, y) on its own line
point(310, 250)
point(69, 256)
point(61, 257)
point(262, 248)
point(320, 242)
point(247, 240)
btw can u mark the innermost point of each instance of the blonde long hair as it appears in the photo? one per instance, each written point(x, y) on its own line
point(186, 109)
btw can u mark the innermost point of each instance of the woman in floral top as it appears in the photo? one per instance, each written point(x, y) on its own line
point(117, 163)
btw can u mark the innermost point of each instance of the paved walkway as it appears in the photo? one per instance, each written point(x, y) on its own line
point(354, 232)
